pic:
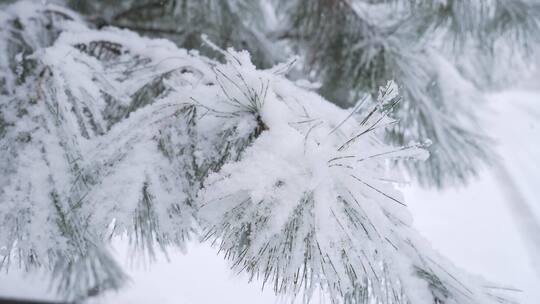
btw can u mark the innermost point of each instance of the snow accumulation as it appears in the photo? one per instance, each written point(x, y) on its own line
point(473, 226)
point(109, 134)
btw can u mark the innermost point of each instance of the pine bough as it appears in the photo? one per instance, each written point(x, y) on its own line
point(106, 133)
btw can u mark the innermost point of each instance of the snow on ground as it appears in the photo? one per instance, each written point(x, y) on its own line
point(475, 229)
point(198, 277)
point(484, 228)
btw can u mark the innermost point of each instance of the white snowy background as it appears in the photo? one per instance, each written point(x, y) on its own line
point(489, 228)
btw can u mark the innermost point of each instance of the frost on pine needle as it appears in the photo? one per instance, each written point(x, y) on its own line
point(108, 134)
point(354, 46)
point(309, 206)
point(104, 133)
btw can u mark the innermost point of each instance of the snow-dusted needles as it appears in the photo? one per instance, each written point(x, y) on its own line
point(100, 139)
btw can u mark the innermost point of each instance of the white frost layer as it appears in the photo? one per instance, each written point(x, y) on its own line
point(473, 227)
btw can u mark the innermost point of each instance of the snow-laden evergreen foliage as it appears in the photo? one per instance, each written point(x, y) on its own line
point(354, 46)
point(104, 133)
point(235, 23)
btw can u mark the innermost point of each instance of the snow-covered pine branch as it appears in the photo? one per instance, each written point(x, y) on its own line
point(237, 23)
point(351, 47)
point(355, 46)
point(105, 133)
